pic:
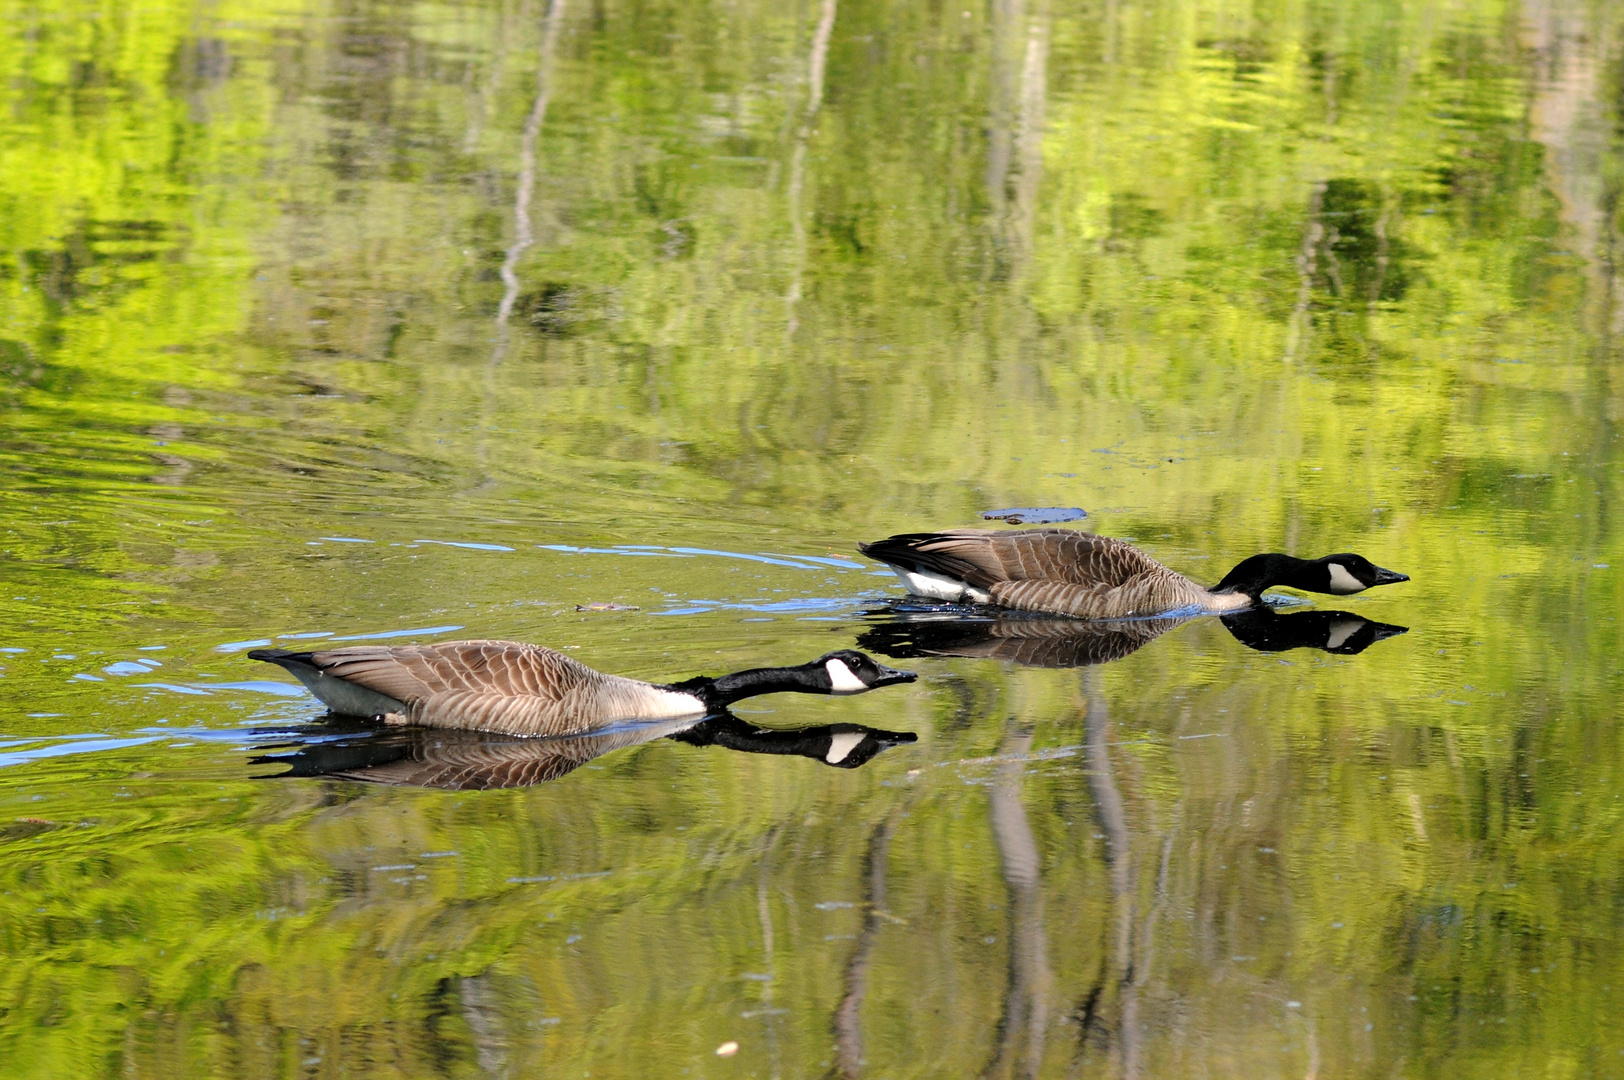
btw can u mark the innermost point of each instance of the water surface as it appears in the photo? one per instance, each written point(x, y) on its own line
point(614, 327)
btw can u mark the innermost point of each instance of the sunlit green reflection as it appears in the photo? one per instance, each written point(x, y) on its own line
point(475, 320)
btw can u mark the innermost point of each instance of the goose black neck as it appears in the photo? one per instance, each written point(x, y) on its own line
point(1251, 576)
point(724, 690)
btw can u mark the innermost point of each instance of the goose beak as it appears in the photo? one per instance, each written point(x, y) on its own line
point(891, 676)
point(1383, 631)
point(1388, 577)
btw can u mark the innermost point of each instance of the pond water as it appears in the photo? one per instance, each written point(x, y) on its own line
point(614, 327)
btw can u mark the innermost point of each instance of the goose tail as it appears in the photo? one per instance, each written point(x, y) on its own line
point(286, 658)
point(924, 551)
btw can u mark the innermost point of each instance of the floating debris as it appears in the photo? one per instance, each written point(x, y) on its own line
point(607, 607)
point(727, 1049)
point(1035, 515)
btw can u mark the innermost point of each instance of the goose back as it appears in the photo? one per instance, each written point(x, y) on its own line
point(1058, 571)
point(507, 687)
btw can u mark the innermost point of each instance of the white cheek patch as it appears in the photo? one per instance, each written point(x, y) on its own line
point(841, 746)
point(1343, 582)
point(1342, 631)
point(841, 679)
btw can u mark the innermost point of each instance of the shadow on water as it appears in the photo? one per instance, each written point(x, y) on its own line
point(348, 749)
point(909, 631)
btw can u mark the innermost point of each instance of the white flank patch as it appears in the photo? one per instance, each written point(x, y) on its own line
point(841, 679)
point(1342, 631)
point(1343, 582)
point(1234, 601)
point(940, 586)
point(667, 705)
point(841, 745)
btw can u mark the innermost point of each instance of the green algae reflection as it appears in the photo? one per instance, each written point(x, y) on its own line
point(361, 318)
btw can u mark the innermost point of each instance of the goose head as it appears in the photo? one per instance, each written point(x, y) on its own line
point(851, 672)
point(1339, 575)
point(1350, 573)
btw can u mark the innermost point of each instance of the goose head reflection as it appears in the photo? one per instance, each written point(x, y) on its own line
point(1340, 632)
point(1035, 641)
point(473, 760)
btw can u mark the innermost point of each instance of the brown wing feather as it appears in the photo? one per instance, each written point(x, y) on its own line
point(415, 673)
point(1057, 571)
point(1151, 593)
point(500, 686)
point(984, 557)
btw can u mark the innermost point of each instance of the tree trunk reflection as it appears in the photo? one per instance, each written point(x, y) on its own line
point(1568, 118)
point(1015, 118)
point(523, 231)
point(1112, 1006)
point(1026, 1004)
point(848, 1018)
point(817, 62)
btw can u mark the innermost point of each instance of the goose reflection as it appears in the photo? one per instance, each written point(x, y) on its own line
point(473, 760)
point(1070, 643)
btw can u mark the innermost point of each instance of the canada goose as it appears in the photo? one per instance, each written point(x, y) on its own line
point(1067, 572)
point(518, 689)
point(477, 761)
point(1035, 641)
